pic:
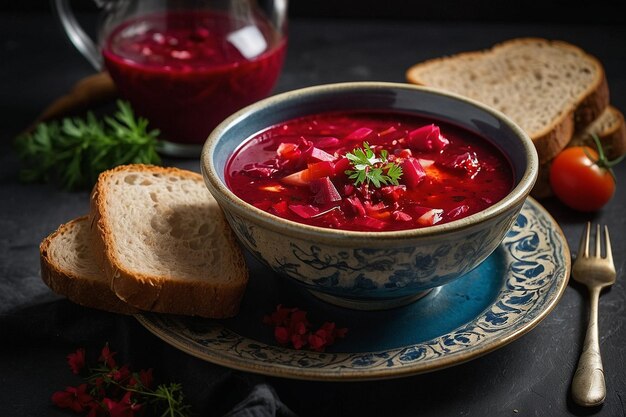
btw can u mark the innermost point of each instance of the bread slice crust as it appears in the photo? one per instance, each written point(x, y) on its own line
point(554, 135)
point(89, 289)
point(206, 295)
point(610, 130)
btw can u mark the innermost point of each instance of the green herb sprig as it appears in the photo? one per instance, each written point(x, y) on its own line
point(369, 168)
point(74, 151)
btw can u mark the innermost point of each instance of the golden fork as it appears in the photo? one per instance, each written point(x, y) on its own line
point(595, 272)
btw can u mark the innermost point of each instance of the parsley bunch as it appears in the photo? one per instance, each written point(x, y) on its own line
point(369, 168)
point(74, 151)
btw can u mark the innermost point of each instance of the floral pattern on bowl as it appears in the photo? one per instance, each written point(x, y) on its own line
point(371, 270)
point(530, 276)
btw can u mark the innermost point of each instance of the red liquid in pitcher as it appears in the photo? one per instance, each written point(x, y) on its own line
point(186, 71)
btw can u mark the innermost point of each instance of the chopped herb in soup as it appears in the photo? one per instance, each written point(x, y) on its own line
point(368, 171)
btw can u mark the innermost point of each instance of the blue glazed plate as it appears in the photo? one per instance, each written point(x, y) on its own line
point(502, 299)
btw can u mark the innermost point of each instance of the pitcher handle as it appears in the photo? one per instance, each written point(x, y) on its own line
point(75, 33)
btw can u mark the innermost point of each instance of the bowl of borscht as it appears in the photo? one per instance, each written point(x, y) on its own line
point(369, 194)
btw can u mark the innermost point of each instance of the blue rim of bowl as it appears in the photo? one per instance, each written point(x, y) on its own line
point(512, 201)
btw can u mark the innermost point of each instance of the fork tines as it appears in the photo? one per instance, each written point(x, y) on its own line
point(583, 249)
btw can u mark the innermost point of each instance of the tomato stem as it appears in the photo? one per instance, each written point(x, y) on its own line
point(602, 161)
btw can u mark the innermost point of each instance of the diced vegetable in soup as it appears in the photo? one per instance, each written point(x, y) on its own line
point(368, 171)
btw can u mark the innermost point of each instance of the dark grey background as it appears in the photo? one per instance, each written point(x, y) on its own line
point(529, 377)
point(529, 11)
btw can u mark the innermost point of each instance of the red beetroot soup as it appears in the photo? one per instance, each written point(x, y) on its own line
point(368, 171)
point(188, 70)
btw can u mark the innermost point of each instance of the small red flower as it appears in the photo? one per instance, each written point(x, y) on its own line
point(298, 320)
point(281, 334)
point(298, 328)
point(326, 336)
point(316, 342)
point(112, 391)
point(74, 398)
point(120, 374)
point(76, 361)
point(292, 326)
point(107, 357)
point(299, 340)
point(327, 332)
point(124, 408)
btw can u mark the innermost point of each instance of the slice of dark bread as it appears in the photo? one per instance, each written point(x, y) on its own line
point(69, 268)
point(609, 128)
point(164, 243)
point(549, 88)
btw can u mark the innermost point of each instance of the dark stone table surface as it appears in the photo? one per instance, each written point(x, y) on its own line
point(529, 377)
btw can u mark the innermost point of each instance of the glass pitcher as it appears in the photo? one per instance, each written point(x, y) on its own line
point(185, 65)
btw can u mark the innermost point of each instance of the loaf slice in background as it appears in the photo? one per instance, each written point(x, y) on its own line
point(69, 268)
point(610, 130)
point(165, 244)
point(549, 88)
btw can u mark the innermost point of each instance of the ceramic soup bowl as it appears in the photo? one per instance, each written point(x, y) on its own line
point(370, 269)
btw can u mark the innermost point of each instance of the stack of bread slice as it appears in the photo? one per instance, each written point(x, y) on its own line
point(555, 91)
point(154, 240)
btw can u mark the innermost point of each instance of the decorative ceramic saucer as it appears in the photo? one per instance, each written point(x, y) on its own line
point(502, 299)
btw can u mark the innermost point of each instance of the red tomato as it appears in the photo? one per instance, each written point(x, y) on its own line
point(578, 181)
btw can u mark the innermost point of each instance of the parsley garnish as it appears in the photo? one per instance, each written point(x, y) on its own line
point(74, 151)
point(369, 168)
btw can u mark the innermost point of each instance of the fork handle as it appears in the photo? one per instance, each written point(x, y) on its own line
point(588, 386)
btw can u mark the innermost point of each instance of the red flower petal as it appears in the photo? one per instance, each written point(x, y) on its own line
point(299, 317)
point(124, 408)
point(76, 361)
point(74, 398)
point(107, 357)
point(299, 328)
point(291, 326)
point(299, 340)
point(65, 399)
point(327, 336)
point(316, 342)
point(132, 381)
point(281, 334)
point(120, 375)
point(82, 395)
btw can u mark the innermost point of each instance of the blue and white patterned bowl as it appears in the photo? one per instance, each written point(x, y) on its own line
point(370, 270)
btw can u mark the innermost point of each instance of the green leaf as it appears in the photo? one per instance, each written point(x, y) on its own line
point(370, 169)
point(74, 151)
point(394, 172)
